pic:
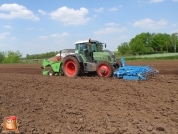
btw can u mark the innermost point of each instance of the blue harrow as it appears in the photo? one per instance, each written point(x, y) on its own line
point(134, 72)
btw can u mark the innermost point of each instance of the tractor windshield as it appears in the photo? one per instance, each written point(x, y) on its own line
point(96, 46)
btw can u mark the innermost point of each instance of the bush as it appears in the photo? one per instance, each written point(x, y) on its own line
point(10, 57)
point(2, 56)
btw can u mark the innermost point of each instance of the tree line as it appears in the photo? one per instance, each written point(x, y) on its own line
point(16, 56)
point(149, 43)
point(41, 56)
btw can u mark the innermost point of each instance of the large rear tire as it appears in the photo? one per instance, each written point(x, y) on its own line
point(71, 67)
point(104, 69)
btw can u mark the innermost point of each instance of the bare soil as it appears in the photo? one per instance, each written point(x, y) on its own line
point(90, 105)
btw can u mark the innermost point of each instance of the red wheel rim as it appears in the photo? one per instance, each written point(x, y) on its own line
point(70, 68)
point(104, 70)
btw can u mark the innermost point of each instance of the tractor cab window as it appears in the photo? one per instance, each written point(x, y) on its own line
point(94, 47)
point(76, 48)
point(83, 46)
point(99, 47)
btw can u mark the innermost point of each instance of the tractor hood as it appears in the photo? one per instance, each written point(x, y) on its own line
point(103, 56)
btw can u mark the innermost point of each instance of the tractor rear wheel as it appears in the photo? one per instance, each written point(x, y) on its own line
point(104, 69)
point(71, 66)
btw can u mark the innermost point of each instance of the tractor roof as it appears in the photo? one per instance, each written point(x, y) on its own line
point(85, 41)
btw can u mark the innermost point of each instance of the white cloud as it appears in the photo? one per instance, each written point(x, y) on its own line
point(14, 38)
point(3, 35)
point(30, 28)
point(156, 1)
point(175, 24)
point(60, 35)
point(16, 11)
point(123, 37)
point(95, 16)
point(113, 9)
point(110, 30)
point(112, 24)
point(43, 37)
point(42, 12)
point(149, 23)
point(101, 9)
point(70, 16)
point(7, 26)
point(121, 6)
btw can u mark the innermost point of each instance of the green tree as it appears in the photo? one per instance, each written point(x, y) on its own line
point(161, 42)
point(142, 43)
point(174, 41)
point(2, 56)
point(124, 48)
point(145, 38)
point(137, 45)
point(12, 57)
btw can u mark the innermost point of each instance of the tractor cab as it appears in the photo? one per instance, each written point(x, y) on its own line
point(86, 49)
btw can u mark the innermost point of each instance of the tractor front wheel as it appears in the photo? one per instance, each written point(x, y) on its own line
point(104, 69)
point(71, 66)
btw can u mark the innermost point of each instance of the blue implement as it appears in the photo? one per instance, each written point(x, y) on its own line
point(134, 72)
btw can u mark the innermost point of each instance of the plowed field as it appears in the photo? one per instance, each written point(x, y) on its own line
point(90, 105)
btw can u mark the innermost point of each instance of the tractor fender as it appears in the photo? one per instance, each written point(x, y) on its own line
point(77, 56)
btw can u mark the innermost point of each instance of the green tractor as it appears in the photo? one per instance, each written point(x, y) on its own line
point(88, 57)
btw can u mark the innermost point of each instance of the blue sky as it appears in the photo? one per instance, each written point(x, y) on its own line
point(39, 26)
